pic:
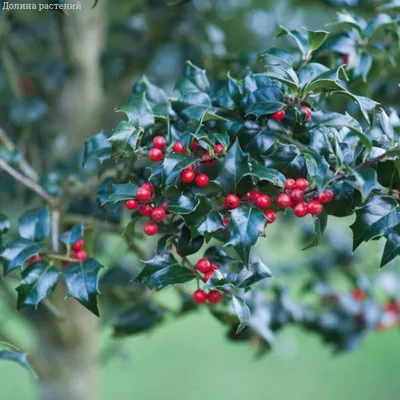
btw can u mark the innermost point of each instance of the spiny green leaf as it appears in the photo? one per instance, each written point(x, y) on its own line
point(246, 226)
point(123, 191)
point(267, 174)
point(82, 280)
point(73, 235)
point(242, 311)
point(34, 224)
point(392, 247)
point(139, 113)
point(38, 282)
point(125, 139)
point(97, 148)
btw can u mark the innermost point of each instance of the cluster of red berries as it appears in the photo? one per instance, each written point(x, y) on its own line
point(206, 267)
point(295, 197)
point(201, 296)
point(78, 250)
point(279, 115)
point(156, 153)
point(142, 203)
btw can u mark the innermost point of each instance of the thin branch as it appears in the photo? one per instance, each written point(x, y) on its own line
point(93, 222)
point(55, 230)
point(29, 183)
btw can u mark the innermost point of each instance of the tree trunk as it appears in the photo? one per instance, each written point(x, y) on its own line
point(69, 356)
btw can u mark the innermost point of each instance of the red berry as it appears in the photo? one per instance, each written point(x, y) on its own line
point(179, 147)
point(33, 259)
point(225, 222)
point(300, 210)
point(307, 111)
point(158, 214)
point(326, 196)
point(150, 228)
point(146, 210)
point(165, 204)
point(65, 263)
point(392, 306)
point(214, 267)
point(131, 204)
point(188, 175)
point(208, 163)
point(81, 255)
point(208, 275)
point(202, 180)
point(254, 195)
point(195, 146)
point(203, 265)
point(271, 216)
point(246, 197)
point(155, 154)
point(279, 115)
point(346, 58)
point(290, 184)
point(232, 201)
point(143, 194)
point(159, 142)
point(219, 148)
point(359, 295)
point(284, 201)
point(314, 207)
point(301, 184)
point(214, 296)
point(297, 195)
point(263, 201)
point(200, 296)
point(78, 245)
point(149, 187)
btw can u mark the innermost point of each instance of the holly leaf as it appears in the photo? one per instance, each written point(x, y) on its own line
point(182, 204)
point(232, 168)
point(123, 191)
point(73, 235)
point(246, 226)
point(318, 169)
point(242, 312)
point(392, 247)
point(365, 181)
point(256, 272)
point(19, 358)
point(97, 148)
point(262, 108)
point(38, 282)
point(34, 224)
point(4, 224)
point(17, 253)
point(186, 244)
point(173, 275)
point(125, 139)
point(375, 219)
point(267, 174)
point(230, 95)
point(320, 223)
point(82, 280)
point(139, 112)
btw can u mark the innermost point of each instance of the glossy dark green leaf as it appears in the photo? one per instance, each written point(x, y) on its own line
point(256, 272)
point(388, 175)
point(73, 235)
point(392, 247)
point(125, 139)
point(173, 275)
point(178, 164)
point(123, 191)
point(139, 113)
point(275, 56)
point(365, 181)
point(159, 261)
point(375, 219)
point(97, 148)
point(320, 223)
point(232, 168)
point(229, 96)
point(346, 20)
point(38, 282)
point(318, 169)
point(299, 37)
point(34, 224)
point(82, 280)
point(364, 65)
point(156, 97)
point(327, 81)
point(19, 358)
point(267, 174)
point(17, 253)
point(182, 204)
point(242, 312)
point(188, 245)
point(260, 109)
point(4, 224)
point(246, 226)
